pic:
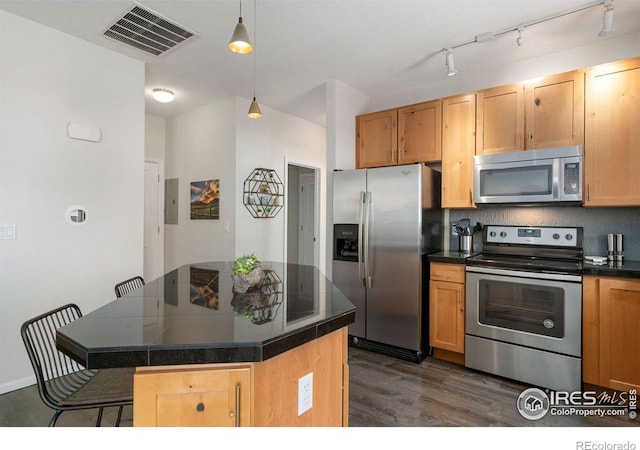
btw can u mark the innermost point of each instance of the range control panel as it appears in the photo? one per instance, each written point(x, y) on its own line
point(554, 236)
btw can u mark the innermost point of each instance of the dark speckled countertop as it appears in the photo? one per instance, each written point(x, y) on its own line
point(191, 316)
point(628, 269)
point(453, 257)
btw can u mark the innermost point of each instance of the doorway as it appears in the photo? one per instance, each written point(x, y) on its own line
point(153, 265)
point(302, 215)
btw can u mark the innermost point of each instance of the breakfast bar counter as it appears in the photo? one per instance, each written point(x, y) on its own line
point(205, 356)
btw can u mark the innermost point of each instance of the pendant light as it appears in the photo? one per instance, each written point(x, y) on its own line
point(254, 109)
point(239, 42)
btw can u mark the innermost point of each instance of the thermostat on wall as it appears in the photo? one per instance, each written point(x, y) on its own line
point(84, 132)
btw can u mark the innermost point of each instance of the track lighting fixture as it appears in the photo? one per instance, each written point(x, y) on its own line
point(607, 29)
point(607, 19)
point(239, 42)
point(451, 68)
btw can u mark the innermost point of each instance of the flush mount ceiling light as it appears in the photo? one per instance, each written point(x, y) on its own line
point(239, 42)
point(451, 68)
point(607, 19)
point(254, 109)
point(163, 95)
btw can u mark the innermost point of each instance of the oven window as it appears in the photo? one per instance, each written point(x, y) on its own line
point(519, 306)
point(516, 181)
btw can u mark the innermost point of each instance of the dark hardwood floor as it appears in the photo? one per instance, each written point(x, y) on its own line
point(384, 392)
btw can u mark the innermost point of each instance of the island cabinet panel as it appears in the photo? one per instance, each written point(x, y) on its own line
point(458, 149)
point(420, 133)
point(377, 139)
point(186, 396)
point(554, 111)
point(275, 396)
point(612, 134)
point(500, 120)
point(446, 310)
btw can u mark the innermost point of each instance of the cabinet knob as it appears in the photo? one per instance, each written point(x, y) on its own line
point(537, 102)
point(200, 407)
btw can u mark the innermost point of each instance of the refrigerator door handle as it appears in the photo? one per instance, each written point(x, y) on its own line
point(360, 236)
point(367, 268)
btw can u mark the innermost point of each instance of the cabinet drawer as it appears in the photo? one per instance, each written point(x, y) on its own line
point(447, 272)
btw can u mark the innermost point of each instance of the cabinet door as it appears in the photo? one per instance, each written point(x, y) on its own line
point(377, 139)
point(555, 111)
point(612, 135)
point(420, 132)
point(619, 333)
point(590, 346)
point(500, 120)
point(458, 149)
point(446, 315)
point(186, 398)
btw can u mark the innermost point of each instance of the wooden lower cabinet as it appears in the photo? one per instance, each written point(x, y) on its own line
point(206, 396)
point(611, 335)
point(446, 310)
point(261, 394)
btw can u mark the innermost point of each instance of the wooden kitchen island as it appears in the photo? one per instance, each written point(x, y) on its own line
point(207, 357)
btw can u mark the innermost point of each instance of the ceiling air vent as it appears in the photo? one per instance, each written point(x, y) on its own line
point(148, 31)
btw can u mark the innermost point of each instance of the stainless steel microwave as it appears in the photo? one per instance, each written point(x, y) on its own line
point(531, 176)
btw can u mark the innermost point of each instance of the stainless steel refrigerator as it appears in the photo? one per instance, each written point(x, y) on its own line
point(386, 220)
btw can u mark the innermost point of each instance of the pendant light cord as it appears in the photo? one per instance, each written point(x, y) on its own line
point(255, 46)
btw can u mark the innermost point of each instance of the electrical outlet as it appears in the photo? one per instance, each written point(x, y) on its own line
point(305, 393)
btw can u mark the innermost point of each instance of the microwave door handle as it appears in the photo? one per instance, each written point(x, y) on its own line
point(367, 217)
point(361, 237)
point(555, 187)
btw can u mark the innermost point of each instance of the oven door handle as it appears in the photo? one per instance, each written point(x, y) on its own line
point(524, 274)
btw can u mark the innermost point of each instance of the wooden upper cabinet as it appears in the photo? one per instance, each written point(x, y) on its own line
point(539, 114)
point(500, 120)
point(377, 139)
point(400, 136)
point(554, 111)
point(420, 133)
point(458, 149)
point(612, 135)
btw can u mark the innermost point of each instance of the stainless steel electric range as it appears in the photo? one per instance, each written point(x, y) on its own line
point(524, 305)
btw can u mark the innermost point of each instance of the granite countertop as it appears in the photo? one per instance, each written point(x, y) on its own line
point(191, 316)
point(628, 269)
point(450, 256)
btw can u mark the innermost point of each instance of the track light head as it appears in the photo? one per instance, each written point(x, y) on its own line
point(451, 68)
point(607, 20)
point(519, 41)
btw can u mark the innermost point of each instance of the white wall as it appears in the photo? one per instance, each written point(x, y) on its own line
point(201, 145)
point(272, 142)
point(43, 172)
point(155, 132)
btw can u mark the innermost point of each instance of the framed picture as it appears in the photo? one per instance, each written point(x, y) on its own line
point(205, 199)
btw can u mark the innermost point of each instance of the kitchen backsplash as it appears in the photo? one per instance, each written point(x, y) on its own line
point(597, 223)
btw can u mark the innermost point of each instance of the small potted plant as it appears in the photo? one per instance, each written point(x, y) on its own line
point(247, 273)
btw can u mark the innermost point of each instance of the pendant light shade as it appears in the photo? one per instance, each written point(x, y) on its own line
point(254, 110)
point(239, 42)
